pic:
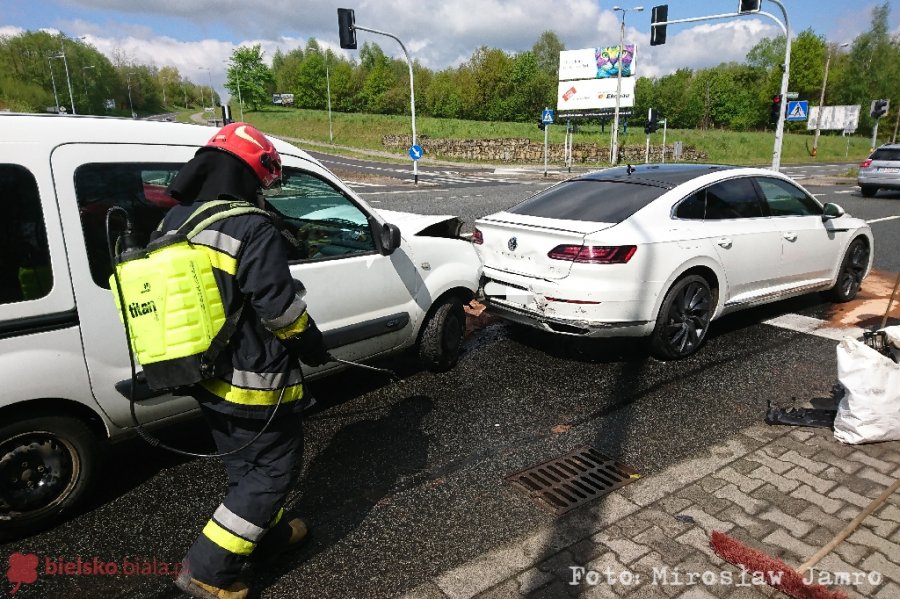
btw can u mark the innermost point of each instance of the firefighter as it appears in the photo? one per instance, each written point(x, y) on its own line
point(259, 363)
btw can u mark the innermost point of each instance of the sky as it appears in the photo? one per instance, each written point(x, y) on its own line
point(198, 36)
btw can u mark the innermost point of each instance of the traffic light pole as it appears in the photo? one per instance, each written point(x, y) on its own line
point(412, 90)
point(786, 29)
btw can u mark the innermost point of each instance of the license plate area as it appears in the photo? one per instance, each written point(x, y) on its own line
point(888, 169)
point(509, 293)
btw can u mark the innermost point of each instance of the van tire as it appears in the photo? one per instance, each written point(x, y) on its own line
point(61, 453)
point(440, 341)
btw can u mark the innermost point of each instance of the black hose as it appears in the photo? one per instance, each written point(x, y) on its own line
point(153, 441)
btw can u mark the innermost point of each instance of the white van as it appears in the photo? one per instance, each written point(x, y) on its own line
point(374, 288)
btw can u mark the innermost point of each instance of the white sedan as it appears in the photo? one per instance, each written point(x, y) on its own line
point(659, 251)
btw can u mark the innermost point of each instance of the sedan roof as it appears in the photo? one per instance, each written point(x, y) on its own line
point(667, 176)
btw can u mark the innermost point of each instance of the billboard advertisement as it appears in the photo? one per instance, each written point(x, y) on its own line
point(590, 94)
point(596, 63)
point(843, 118)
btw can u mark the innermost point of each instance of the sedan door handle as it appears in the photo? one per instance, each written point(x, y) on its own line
point(725, 242)
point(790, 236)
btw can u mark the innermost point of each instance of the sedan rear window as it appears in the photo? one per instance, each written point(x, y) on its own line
point(886, 154)
point(594, 201)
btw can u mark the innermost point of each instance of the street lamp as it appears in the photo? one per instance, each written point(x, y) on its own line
point(68, 80)
point(84, 80)
point(614, 151)
point(240, 69)
point(130, 105)
point(53, 80)
point(829, 50)
point(208, 72)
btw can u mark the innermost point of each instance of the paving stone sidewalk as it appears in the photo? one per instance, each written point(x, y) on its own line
point(784, 490)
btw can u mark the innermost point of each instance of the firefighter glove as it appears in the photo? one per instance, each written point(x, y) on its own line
point(310, 347)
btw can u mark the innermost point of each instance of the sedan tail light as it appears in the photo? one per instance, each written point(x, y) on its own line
point(593, 254)
point(477, 237)
point(865, 163)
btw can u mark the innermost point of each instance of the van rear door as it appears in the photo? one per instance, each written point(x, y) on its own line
point(90, 178)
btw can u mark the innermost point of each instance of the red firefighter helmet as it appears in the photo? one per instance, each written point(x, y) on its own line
point(247, 143)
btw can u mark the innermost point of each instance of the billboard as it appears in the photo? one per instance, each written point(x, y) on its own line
point(596, 63)
point(589, 94)
point(844, 118)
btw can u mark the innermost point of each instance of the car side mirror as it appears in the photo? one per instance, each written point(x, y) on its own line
point(389, 238)
point(832, 211)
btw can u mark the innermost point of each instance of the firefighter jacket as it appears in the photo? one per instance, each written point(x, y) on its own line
point(250, 264)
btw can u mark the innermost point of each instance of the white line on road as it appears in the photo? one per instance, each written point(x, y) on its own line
point(813, 326)
point(881, 220)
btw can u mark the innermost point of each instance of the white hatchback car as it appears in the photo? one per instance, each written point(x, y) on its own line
point(377, 282)
point(662, 250)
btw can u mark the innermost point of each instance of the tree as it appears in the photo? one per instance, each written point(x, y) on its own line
point(248, 76)
point(546, 52)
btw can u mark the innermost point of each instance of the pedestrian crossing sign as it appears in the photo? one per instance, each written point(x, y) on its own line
point(797, 110)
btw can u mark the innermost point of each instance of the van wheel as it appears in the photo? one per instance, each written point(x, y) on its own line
point(47, 465)
point(868, 190)
point(850, 277)
point(683, 319)
point(442, 335)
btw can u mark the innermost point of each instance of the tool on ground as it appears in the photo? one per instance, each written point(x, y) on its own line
point(815, 417)
point(390, 373)
point(781, 576)
point(877, 340)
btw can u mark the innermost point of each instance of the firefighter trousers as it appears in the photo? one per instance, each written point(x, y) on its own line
point(259, 479)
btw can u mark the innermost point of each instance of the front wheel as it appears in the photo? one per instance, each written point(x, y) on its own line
point(47, 465)
point(683, 319)
point(441, 338)
point(853, 269)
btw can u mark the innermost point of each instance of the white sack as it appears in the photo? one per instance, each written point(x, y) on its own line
point(893, 335)
point(870, 408)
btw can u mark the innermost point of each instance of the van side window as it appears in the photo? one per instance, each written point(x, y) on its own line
point(24, 254)
point(138, 188)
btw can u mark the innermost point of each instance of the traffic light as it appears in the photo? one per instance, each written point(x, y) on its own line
point(659, 14)
point(748, 6)
point(346, 28)
point(777, 108)
point(541, 124)
point(652, 122)
point(879, 108)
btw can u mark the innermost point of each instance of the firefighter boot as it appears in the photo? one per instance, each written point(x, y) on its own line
point(195, 588)
point(288, 534)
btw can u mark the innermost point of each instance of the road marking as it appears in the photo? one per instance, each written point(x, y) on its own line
point(813, 326)
point(881, 220)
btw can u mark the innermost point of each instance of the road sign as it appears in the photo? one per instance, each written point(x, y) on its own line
point(797, 110)
point(792, 95)
point(415, 152)
point(547, 116)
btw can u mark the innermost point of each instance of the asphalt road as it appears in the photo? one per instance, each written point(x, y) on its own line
point(404, 480)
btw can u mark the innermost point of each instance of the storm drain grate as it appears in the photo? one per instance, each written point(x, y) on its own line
point(564, 483)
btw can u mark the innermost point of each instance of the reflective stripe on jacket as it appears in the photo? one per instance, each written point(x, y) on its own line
point(251, 266)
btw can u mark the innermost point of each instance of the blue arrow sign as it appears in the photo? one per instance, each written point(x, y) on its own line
point(547, 116)
point(797, 110)
point(415, 152)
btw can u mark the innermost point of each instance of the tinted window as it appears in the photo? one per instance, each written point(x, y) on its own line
point(886, 154)
point(784, 199)
point(595, 201)
point(24, 255)
point(322, 221)
point(694, 207)
point(735, 198)
point(138, 188)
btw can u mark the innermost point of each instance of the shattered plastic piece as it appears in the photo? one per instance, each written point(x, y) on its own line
point(474, 308)
point(816, 417)
point(685, 518)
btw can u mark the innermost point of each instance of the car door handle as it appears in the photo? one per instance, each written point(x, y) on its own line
point(725, 242)
point(790, 236)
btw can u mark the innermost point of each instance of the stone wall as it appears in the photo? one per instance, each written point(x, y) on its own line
point(525, 150)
